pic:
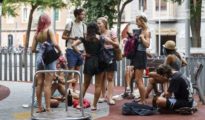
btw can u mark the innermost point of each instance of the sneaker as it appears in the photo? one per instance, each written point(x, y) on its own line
point(186, 110)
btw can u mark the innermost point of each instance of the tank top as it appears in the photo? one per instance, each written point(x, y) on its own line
point(176, 65)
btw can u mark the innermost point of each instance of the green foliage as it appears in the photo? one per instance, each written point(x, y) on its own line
point(76, 3)
point(99, 8)
point(10, 6)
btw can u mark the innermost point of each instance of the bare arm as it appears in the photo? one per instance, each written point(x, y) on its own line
point(34, 44)
point(112, 40)
point(146, 39)
point(75, 44)
point(170, 59)
point(65, 35)
point(52, 37)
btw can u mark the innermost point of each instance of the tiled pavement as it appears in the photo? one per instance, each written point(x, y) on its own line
point(11, 107)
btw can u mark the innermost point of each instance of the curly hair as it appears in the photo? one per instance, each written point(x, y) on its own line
point(164, 70)
point(78, 11)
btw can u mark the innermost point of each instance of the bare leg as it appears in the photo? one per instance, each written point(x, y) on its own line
point(76, 78)
point(98, 83)
point(161, 102)
point(110, 76)
point(39, 89)
point(104, 82)
point(54, 86)
point(128, 76)
point(87, 79)
point(149, 87)
point(61, 89)
point(140, 84)
point(47, 89)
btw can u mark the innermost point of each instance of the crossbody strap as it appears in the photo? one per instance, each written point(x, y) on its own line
point(48, 37)
point(71, 27)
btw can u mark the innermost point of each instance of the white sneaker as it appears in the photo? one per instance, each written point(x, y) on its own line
point(194, 104)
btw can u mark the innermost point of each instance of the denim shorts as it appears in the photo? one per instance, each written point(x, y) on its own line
point(173, 103)
point(74, 59)
point(40, 64)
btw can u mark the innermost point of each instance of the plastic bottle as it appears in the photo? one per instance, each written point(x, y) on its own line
point(69, 98)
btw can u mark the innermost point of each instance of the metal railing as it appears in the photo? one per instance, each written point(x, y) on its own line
point(13, 66)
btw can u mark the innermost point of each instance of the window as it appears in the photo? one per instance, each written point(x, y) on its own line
point(25, 14)
point(163, 5)
point(143, 4)
point(57, 14)
point(167, 10)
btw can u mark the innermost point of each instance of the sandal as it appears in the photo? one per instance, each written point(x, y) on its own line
point(48, 109)
point(101, 100)
point(93, 108)
point(111, 102)
point(137, 99)
point(40, 110)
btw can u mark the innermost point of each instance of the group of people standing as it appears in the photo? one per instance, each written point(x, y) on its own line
point(83, 45)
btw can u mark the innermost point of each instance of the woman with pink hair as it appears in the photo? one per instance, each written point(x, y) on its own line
point(44, 80)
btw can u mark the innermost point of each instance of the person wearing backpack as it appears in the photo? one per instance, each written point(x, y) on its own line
point(73, 31)
point(110, 43)
point(43, 80)
point(140, 57)
point(179, 87)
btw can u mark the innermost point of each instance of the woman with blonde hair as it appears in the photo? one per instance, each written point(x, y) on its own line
point(44, 80)
point(140, 58)
point(110, 43)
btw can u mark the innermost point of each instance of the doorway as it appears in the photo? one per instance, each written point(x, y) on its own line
point(164, 38)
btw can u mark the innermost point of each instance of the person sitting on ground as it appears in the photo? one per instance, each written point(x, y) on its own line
point(173, 59)
point(59, 84)
point(179, 88)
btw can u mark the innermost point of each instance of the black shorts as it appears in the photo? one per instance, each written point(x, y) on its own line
point(92, 66)
point(140, 60)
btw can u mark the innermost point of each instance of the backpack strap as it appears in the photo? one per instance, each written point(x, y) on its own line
point(71, 27)
point(48, 37)
point(83, 30)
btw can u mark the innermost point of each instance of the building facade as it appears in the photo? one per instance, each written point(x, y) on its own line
point(172, 19)
point(172, 24)
point(14, 28)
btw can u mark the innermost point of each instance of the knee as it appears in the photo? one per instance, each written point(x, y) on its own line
point(158, 100)
point(161, 102)
point(110, 78)
point(151, 81)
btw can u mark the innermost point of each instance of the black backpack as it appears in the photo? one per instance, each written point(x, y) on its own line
point(134, 108)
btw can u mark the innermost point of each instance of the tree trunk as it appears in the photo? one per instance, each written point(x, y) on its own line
point(28, 35)
point(195, 22)
point(29, 26)
point(119, 21)
point(120, 16)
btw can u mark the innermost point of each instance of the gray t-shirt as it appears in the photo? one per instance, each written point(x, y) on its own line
point(78, 30)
